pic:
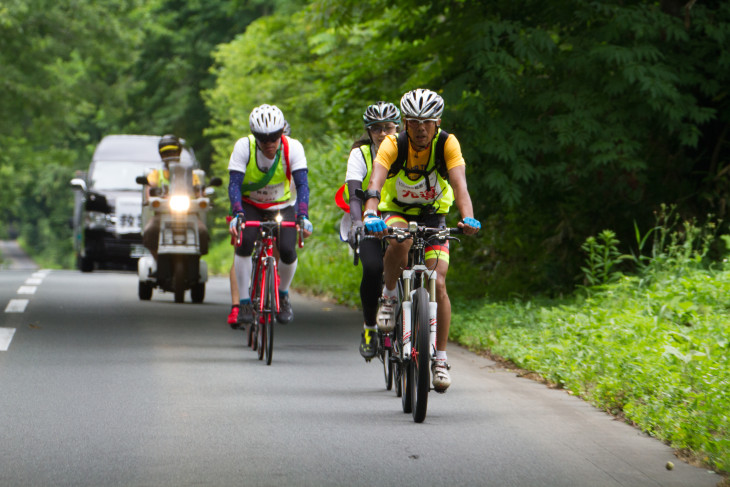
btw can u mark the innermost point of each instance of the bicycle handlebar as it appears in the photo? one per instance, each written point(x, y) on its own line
point(404, 233)
point(270, 224)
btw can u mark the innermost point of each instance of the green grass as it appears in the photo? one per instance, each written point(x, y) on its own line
point(657, 355)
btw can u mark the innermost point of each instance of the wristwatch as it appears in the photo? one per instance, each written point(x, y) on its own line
point(370, 213)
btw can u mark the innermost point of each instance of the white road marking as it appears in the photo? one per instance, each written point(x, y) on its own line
point(16, 306)
point(41, 274)
point(33, 281)
point(6, 336)
point(27, 289)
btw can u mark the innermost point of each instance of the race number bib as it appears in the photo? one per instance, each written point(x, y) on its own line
point(418, 193)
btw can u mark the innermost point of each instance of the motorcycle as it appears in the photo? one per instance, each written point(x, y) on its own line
point(178, 266)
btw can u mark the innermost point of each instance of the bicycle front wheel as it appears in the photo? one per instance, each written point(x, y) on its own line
point(270, 309)
point(420, 356)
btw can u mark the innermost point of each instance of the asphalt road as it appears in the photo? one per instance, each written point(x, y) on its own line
point(101, 389)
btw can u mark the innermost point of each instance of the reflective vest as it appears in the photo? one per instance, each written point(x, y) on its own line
point(429, 189)
point(342, 196)
point(265, 189)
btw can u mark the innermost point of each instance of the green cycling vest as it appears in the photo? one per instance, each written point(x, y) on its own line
point(402, 195)
point(367, 155)
point(279, 183)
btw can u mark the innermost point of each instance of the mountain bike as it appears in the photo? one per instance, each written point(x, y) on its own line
point(415, 319)
point(264, 289)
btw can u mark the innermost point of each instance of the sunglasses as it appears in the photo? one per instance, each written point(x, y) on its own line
point(416, 122)
point(382, 129)
point(272, 137)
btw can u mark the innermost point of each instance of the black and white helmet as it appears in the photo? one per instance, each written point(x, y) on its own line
point(266, 120)
point(422, 104)
point(381, 112)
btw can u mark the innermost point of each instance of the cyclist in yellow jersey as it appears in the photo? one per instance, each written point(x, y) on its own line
point(423, 191)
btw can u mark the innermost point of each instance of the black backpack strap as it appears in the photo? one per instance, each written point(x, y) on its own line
point(440, 159)
point(397, 165)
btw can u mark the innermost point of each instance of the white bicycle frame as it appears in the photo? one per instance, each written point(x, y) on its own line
point(409, 276)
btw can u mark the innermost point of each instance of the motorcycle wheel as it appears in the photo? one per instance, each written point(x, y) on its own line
point(197, 292)
point(178, 280)
point(145, 291)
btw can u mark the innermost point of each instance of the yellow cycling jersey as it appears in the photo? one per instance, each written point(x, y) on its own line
point(388, 152)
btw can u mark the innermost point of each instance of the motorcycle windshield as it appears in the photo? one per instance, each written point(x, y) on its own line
point(181, 180)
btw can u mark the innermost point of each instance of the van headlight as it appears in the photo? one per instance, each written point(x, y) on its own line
point(179, 203)
point(96, 220)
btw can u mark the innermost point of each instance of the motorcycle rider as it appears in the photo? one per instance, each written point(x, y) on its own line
point(262, 167)
point(169, 148)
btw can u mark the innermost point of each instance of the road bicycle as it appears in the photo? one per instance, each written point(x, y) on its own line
point(414, 344)
point(264, 289)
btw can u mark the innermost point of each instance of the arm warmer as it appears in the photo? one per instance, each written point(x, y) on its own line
point(234, 191)
point(302, 184)
point(355, 202)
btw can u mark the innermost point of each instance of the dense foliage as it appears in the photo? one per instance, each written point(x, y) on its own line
point(578, 117)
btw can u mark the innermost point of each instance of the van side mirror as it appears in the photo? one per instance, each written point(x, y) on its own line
point(142, 180)
point(215, 181)
point(78, 184)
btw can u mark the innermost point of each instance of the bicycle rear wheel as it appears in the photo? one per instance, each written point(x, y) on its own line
point(385, 351)
point(419, 367)
point(397, 359)
point(270, 309)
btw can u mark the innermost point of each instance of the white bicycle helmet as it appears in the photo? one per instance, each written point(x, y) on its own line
point(266, 120)
point(381, 112)
point(422, 104)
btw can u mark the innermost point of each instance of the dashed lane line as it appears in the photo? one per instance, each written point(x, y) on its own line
point(6, 336)
point(16, 305)
point(27, 289)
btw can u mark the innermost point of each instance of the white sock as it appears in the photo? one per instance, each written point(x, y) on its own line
point(242, 267)
point(286, 275)
point(371, 328)
point(390, 293)
point(441, 355)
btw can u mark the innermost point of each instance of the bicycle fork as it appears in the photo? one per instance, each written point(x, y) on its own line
point(407, 304)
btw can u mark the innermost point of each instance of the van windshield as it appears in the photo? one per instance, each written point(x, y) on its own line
point(119, 175)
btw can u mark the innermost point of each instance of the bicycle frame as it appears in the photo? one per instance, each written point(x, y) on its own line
point(265, 274)
point(417, 275)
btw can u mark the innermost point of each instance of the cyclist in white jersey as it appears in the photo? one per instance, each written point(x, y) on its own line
point(264, 169)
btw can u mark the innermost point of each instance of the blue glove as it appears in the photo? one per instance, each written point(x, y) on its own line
point(374, 224)
point(472, 222)
point(234, 220)
point(305, 224)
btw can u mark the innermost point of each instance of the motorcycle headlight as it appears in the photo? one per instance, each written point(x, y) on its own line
point(179, 204)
